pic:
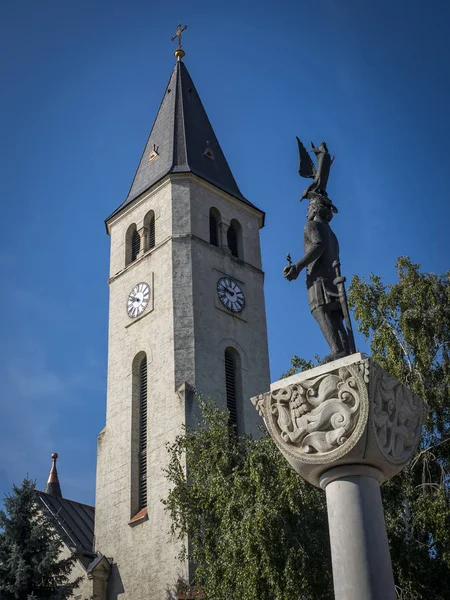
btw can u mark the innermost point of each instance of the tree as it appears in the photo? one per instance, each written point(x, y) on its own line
point(256, 530)
point(30, 563)
point(408, 325)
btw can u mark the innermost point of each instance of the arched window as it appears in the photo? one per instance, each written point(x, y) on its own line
point(139, 435)
point(214, 222)
point(234, 238)
point(142, 444)
point(232, 385)
point(135, 245)
point(149, 224)
point(132, 244)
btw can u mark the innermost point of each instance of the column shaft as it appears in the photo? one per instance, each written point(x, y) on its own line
point(359, 548)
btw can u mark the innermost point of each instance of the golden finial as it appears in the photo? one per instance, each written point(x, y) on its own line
point(53, 477)
point(179, 53)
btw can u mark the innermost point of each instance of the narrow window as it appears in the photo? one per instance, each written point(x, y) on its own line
point(149, 226)
point(214, 220)
point(151, 231)
point(135, 245)
point(132, 244)
point(231, 386)
point(234, 238)
point(142, 459)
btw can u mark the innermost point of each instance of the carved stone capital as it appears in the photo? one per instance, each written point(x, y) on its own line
point(349, 411)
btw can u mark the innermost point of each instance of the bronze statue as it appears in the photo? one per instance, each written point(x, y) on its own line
point(324, 282)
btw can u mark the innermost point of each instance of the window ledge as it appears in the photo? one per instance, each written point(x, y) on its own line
point(139, 517)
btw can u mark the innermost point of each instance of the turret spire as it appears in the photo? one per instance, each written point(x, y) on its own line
point(53, 488)
point(182, 140)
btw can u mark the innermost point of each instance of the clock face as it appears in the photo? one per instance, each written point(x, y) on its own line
point(138, 299)
point(230, 294)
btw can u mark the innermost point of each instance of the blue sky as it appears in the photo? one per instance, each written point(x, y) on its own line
point(81, 84)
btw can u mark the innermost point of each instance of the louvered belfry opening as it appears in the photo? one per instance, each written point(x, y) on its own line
point(231, 387)
point(213, 228)
point(143, 434)
point(135, 245)
point(232, 239)
point(151, 232)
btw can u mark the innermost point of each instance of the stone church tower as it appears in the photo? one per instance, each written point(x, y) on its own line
point(186, 313)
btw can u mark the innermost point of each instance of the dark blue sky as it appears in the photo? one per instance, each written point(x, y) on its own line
point(81, 84)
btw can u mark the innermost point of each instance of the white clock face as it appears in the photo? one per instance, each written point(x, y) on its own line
point(138, 299)
point(230, 294)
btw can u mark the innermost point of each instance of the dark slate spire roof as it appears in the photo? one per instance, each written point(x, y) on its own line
point(181, 135)
point(53, 488)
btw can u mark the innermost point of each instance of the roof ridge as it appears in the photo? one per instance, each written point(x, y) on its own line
point(68, 500)
point(180, 123)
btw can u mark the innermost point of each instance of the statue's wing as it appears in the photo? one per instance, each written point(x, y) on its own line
point(307, 168)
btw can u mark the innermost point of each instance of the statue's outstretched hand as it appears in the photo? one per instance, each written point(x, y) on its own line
point(291, 272)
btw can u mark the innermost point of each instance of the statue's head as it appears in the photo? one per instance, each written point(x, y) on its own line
point(321, 208)
point(324, 147)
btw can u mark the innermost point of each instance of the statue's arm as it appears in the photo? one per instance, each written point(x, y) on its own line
point(314, 247)
point(312, 254)
point(314, 244)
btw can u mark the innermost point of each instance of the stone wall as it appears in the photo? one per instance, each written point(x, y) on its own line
point(184, 332)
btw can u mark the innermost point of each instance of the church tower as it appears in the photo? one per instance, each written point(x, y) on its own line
point(186, 313)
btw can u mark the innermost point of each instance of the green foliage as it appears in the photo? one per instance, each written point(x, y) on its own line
point(256, 530)
point(408, 325)
point(30, 566)
point(298, 365)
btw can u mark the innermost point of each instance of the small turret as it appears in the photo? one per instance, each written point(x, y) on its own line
point(53, 488)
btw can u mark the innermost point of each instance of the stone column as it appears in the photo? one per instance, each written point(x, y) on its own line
point(347, 427)
point(223, 231)
point(358, 534)
point(143, 233)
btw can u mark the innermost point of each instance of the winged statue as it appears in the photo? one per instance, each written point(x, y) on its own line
point(308, 169)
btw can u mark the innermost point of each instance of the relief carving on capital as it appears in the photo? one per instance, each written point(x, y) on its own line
point(397, 417)
point(318, 416)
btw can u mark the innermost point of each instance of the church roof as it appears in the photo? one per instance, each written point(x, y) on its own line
point(73, 521)
point(182, 140)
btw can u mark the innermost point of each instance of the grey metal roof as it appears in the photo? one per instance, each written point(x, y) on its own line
point(180, 135)
point(73, 521)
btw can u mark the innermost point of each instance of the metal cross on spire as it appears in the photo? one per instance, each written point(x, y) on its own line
point(179, 53)
point(178, 34)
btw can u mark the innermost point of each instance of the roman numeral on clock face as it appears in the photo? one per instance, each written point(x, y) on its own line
point(138, 299)
point(230, 294)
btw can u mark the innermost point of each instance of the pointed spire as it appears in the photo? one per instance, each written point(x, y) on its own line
point(182, 140)
point(53, 488)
